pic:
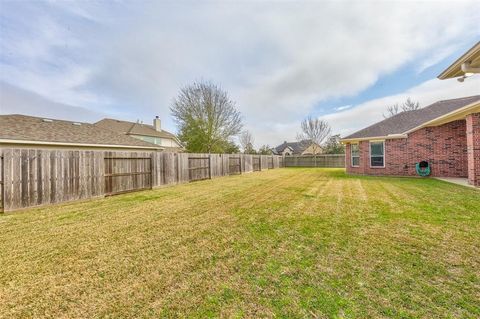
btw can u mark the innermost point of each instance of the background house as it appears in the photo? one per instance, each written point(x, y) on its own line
point(22, 131)
point(446, 134)
point(148, 133)
point(304, 147)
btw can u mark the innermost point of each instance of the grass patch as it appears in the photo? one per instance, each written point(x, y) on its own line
point(290, 243)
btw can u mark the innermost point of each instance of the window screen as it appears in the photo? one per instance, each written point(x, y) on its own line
point(377, 154)
point(355, 155)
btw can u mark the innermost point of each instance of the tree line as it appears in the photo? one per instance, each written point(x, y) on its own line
point(208, 122)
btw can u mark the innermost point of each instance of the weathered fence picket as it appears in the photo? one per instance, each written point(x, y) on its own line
point(38, 177)
point(321, 160)
point(199, 168)
point(34, 177)
point(127, 171)
point(256, 163)
point(235, 165)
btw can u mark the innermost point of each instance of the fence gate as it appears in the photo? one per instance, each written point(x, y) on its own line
point(234, 165)
point(127, 174)
point(198, 168)
point(257, 164)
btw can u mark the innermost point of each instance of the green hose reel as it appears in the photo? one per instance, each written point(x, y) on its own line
point(423, 168)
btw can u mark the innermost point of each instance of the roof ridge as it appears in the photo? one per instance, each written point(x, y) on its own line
point(405, 121)
point(129, 122)
point(45, 117)
point(32, 128)
point(459, 98)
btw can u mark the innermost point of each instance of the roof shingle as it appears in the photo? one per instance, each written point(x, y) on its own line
point(30, 128)
point(405, 121)
point(125, 127)
point(297, 147)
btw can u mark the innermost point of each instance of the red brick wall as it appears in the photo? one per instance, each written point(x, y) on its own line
point(444, 147)
point(473, 146)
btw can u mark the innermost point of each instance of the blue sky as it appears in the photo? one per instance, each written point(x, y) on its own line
point(395, 83)
point(280, 61)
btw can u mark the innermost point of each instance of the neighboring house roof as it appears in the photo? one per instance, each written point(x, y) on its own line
point(405, 122)
point(125, 127)
point(471, 57)
point(296, 147)
point(36, 130)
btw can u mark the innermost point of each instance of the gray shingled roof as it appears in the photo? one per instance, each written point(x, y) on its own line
point(125, 127)
point(406, 121)
point(30, 128)
point(297, 147)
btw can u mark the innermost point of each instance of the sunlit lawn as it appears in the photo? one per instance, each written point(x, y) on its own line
point(283, 243)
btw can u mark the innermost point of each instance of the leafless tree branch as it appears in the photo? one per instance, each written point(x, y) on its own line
point(314, 132)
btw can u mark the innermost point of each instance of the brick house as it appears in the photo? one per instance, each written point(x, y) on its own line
point(446, 134)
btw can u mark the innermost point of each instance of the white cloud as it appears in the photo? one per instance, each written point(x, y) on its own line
point(277, 60)
point(14, 100)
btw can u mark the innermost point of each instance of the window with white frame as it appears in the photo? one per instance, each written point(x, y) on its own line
point(377, 154)
point(355, 153)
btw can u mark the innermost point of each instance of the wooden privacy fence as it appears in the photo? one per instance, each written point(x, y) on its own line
point(257, 163)
point(126, 172)
point(38, 177)
point(33, 177)
point(199, 168)
point(322, 160)
point(235, 165)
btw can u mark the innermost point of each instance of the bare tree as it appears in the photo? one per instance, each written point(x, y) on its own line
point(410, 105)
point(206, 117)
point(392, 110)
point(246, 141)
point(395, 109)
point(314, 133)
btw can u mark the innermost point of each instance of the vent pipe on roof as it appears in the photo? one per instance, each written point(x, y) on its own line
point(157, 124)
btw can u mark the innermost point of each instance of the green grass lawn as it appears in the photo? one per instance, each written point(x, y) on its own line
point(290, 243)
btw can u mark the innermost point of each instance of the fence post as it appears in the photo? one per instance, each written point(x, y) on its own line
point(240, 163)
point(38, 177)
point(1, 181)
point(152, 174)
point(209, 166)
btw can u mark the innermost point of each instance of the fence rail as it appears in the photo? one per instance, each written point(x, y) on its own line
point(234, 165)
point(321, 160)
point(34, 177)
point(126, 172)
point(199, 168)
